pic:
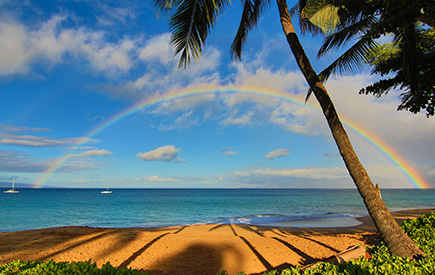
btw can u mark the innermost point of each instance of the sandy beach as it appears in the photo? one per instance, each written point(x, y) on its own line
point(195, 249)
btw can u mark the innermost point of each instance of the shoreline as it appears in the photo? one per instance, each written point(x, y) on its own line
point(193, 249)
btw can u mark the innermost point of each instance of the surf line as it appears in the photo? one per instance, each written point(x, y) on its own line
point(386, 151)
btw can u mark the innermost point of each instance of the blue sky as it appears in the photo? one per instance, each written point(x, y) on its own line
point(68, 67)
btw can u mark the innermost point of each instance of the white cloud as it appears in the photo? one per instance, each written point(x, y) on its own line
point(12, 128)
point(166, 153)
point(35, 141)
point(162, 74)
point(90, 153)
point(261, 76)
point(80, 181)
point(232, 108)
point(22, 162)
point(14, 161)
point(309, 173)
point(229, 151)
point(185, 120)
point(113, 15)
point(156, 178)
point(21, 47)
point(303, 120)
point(157, 49)
point(277, 153)
point(309, 177)
point(235, 119)
point(14, 56)
point(183, 104)
point(378, 119)
point(31, 141)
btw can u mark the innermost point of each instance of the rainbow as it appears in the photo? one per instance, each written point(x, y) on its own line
point(406, 169)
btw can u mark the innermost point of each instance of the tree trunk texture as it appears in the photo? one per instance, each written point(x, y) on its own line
point(394, 237)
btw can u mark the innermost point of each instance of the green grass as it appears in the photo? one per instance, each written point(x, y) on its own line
point(421, 230)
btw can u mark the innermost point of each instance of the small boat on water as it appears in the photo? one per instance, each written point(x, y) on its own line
point(107, 191)
point(12, 191)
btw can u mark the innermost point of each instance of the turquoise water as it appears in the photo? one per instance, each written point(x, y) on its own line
point(43, 208)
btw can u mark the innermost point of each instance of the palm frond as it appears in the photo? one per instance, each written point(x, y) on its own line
point(294, 10)
point(326, 18)
point(304, 23)
point(325, 15)
point(345, 33)
point(318, 16)
point(190, 26)
point(352, 59)
point(165, 4)
point(409, 54)
point(251, 12)
point(348, 62)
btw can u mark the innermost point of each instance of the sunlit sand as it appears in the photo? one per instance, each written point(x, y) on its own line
point(195, 249)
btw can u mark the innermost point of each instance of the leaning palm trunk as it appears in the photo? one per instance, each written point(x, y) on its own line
point(396, 240)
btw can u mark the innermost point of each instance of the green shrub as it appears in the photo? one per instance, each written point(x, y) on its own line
point(62, 268)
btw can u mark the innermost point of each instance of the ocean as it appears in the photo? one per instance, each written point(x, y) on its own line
point(44, 208)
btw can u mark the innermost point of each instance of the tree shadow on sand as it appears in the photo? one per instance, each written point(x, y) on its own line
point(198, 259)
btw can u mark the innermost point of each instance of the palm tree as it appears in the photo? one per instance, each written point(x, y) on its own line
point(190, 25)
point(361, 23)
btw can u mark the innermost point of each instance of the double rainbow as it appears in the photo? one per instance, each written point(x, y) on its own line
point(383, 148)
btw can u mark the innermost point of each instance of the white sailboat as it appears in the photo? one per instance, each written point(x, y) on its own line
point(106, 191)
point(12, 191)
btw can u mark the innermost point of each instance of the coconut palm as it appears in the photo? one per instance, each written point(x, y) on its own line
point(361, 23)
point(190, 25)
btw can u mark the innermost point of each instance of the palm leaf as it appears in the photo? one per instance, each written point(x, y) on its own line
point(251, 12)
point(190, 26)
point(326, 19)
point(321, 14)
point(345, 33)
point(304, 23)
point(352, 59)
point(409, 53)
point(165, 5)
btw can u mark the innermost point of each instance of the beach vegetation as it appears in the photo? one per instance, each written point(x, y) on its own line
point(61, 268)
point(191, 22)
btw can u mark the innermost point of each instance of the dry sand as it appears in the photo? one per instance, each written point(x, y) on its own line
point(195, 249)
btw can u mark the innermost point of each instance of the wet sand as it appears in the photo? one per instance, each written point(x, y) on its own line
point(194, 249)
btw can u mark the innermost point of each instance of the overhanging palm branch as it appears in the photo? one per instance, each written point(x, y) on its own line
point(251, 12)
point(348, 62)
point(351, 60)
point(190, 25)
point(165, 5)
point(345, 32)
point(409, 54)
point(318, 13)
point(304, 22)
